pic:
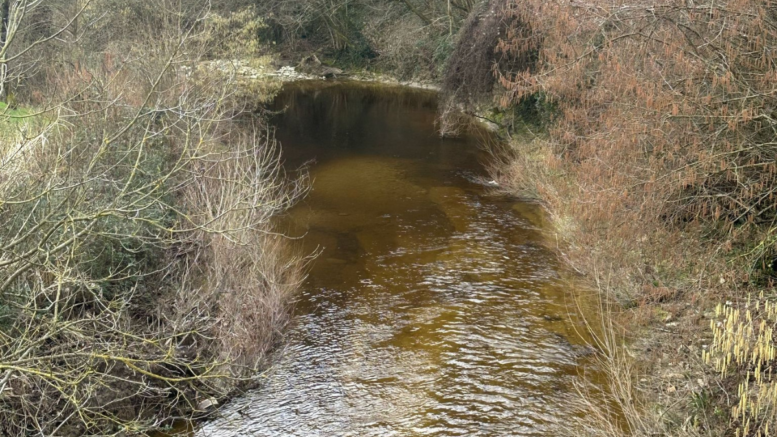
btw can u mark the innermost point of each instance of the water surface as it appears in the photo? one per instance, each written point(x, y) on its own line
point(434, 307)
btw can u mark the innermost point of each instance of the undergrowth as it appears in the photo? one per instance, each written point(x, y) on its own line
point(654, 155)
point(141, 280)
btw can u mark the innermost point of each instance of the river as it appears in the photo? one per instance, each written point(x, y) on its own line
point(434, 306)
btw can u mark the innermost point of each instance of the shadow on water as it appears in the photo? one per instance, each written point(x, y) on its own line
point(434, 307)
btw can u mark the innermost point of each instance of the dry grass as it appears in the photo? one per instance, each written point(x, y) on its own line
point(635, 301)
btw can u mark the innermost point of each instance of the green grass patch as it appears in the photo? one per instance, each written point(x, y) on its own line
point(12, 119)
point(13, 114)
point(18, 120)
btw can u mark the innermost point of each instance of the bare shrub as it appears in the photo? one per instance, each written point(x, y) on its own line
point(615, 408)
point(659, 169)
point(409, 39)
point(139, 272)
point(469, 74)
point(250, 275)
point(406, 49)
point(451, 118)
point(695, 157)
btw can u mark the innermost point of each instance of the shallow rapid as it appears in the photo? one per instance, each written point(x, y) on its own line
point(434, 306)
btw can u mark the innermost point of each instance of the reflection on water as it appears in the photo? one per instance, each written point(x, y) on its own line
point(433, 309)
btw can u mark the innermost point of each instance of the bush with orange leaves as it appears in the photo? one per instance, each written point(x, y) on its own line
point(660, 169)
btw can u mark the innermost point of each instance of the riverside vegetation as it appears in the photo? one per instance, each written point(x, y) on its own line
point(657, 163)
point(140, 279)
point(646, 129)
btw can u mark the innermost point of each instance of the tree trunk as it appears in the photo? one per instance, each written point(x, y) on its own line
point(5, 9)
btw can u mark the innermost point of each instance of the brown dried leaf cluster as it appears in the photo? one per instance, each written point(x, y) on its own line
point(660, 167)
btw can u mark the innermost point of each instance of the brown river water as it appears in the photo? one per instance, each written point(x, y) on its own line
point(434, 306)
